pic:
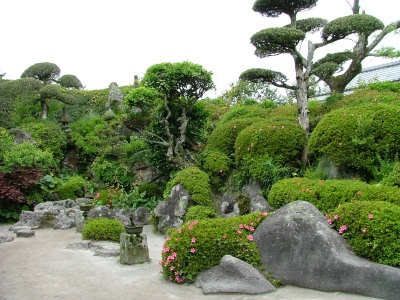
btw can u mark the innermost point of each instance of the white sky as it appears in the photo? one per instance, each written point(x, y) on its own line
point(104, 41)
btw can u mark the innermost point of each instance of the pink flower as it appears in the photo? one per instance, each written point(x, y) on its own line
point(336, 217)
point(193, 240)
point(220, 171)
point(249, 237)
point(195, 222)
point(234, 126)
point(239, 232)
point(364, 230)
point(265, 214)
point(359, 192)
point(371, 216)
point(340, 144)
point(329, 221)
point(283, 127)
point(240, 225)
point(342, 229)
point(251, 228)
point(168, 238)
point(97, 195)
point(190, 227)
point(248, 149)
point(224, 237)
point(179, 230)
point(171, 268)
point(192, 250)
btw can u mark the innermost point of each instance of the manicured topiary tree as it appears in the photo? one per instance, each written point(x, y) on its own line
point(102, 229)
point(70, 81)
point(371, 228)
point(356, 137)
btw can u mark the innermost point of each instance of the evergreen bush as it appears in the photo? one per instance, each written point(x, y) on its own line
point(198, 212)
point(102, 229)
point(372, 228)
point(326, 195)
point(74, 187)
point(355, 137)
point(200, 244)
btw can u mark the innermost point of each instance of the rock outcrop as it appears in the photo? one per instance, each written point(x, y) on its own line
point(170, 213)
point(233, 275)
point(257, 201)
point(297, 245)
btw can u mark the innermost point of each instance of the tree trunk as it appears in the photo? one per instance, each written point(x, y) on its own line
point(45, 108)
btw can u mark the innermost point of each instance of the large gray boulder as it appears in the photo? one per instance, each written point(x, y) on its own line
point(297, 245)
point(170, 213)
point(6, 238)
point(233, 275)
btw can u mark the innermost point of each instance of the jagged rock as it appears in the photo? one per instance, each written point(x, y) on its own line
point(30, 218)
point(297, 245)
point(134, 249)
point(83, 201)
point(100, 212)
point(257, 201)
point(65, 219)
point(229, 206)
point(25, 233)
point(141, 216)
point(104, 249)
point(233, 275)
point(170, 213)
point(79, 221)
point(6, 238)
point(21, 136)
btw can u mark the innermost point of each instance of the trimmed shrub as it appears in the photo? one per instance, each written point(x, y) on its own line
point(326, 195)
point(224, 135)
point(73, 188)
point(102, 229)
point(217, 165)
point(251, 111)
point(372, 228)
point(196, 183)
point(198, 212)
point(199, 245)
point(393, 178)
point(151, 190)
point(281, 139)
point(355, 137)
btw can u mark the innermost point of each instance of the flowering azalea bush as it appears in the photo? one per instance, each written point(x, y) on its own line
point(326, 195)
point(371, 228)
point(200, 244)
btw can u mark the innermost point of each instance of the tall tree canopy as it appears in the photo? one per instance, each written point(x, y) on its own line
point(180, 85)
point(366, 31)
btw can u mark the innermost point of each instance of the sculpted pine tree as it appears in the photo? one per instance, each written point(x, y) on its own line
point(286, 40)
point(49, 73)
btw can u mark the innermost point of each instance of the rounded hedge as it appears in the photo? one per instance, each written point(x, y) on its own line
point(73, 188)
point(372, 228)
point(224, 135)
point(196, 183)
point(198, 212)
point(200, 244)
point(102, 229)
point(279, 138)
point(356, 137)
point(217, 165)
point(326, 195)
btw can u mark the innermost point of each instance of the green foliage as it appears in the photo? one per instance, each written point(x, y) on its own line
point(243, 202)
point(56, 92)
point(44, 71)
point(199, 212)
point(27, 155)
point(224, 136)
point(237, 112)
point(200, 244)
point(310, 24)
point(102, 229)
point(273, 41)
point(49, 136)
point(151, 190)
point(273, 8)
point(112, 171)
point(344, 26)
point(196, 183)
point(70, 81)
point(393, 178)
point(372, 229)
point(217, 165)
point(74, 187)
point(326, 195)
point(279, 138)
point(258, 75)
point(355, 136)
point(107, 196)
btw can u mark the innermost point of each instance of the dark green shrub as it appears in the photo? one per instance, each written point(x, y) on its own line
point(224, 135)
point(196, 182)
point(326, 195)
point(49, 136)
point(102, 229)
point(243, 203)
point(393, 178)
point(281, 139)
point(198, 212)
point(251, 111)
point(354, 137)
point(74, 187)
point(151, 190)
point(372, 228)
point(199, 245)
point(217, 165)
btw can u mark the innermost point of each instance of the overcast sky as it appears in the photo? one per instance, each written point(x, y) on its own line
point(104, 41)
